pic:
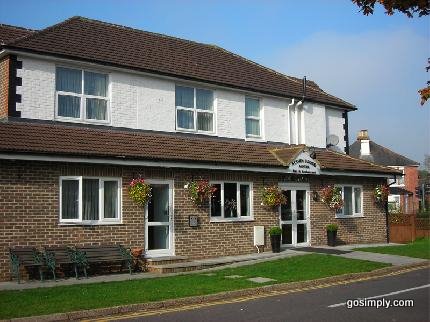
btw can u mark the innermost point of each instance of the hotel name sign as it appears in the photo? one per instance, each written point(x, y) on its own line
point(304, 164)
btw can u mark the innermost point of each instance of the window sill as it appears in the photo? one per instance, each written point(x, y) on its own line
point(254, 139)
point(114, 223)
point(188, 131)
point(224, 220)
point(81, 121)
point(346, 217)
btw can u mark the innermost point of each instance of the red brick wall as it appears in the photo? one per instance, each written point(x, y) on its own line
point(411, 182)
point(4, 87)
point(29, 193)
point(367, 229)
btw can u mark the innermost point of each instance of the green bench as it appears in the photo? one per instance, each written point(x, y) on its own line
point(26, 257)
point(60, 256)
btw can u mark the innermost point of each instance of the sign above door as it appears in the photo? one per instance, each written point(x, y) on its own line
point(298, 159)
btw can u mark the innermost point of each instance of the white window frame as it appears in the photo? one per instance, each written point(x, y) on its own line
point(239, 217)
point(83, 97)
point(354, 213)
point(196, 110)
point(259, 118)
point(102, 220)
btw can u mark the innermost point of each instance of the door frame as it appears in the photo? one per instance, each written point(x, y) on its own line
point(171, 250)
point(293, 221)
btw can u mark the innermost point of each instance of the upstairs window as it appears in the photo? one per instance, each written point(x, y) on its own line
point(252, 117)
point(194, 109)
point(81, 94)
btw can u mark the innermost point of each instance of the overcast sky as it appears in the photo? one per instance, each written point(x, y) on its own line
point(375, 62)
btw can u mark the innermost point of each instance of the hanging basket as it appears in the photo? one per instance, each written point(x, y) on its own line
point(380, 194)
point(200, 191)
point(273, 197)
point(140, 192)
point(332, 197)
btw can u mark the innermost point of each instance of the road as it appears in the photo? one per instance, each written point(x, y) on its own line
point(326, 304)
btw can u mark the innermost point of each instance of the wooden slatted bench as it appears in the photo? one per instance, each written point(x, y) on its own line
point(89, 255)
point(61, 255)
point(27, 257)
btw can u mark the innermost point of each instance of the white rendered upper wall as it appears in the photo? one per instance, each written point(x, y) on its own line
point(147, 102)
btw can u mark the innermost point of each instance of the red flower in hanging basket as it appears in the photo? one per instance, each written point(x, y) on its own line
point(200, 191)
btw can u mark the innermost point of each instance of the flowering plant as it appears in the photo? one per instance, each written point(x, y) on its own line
point(381, 193)
point(200, 191)
point(139, 191)
point(272, 197)
point(230, 204)
point(332, 197)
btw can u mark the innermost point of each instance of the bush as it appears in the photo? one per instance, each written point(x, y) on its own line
point(275, 231)
point(332, 227)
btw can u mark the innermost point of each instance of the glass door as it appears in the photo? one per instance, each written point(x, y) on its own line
point(294, 217)
point(158, 228)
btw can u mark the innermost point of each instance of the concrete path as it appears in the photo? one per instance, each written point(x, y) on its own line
point(394, 260)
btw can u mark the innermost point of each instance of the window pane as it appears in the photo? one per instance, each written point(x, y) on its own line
point(68, 80)
point(347, 199)
point(245, 202)
point(286, 213)
point(287, 234)
point(90, 199)
point(301, 204)
point(69, 199)
point(252, 107)
point(184, 96)
point(205, 121)
point(252, 127)
point(69, 106)
point(301, 233)
point(95, 84)
point(96, 109)
point(204, 99)
point(111, 199)
point(230, 200)
point(185, 119)
point(216, 202)
point(357, 200)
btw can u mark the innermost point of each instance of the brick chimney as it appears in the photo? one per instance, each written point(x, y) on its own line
point(363, 137)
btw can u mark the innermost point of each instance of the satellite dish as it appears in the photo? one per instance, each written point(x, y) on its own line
point(332, 140)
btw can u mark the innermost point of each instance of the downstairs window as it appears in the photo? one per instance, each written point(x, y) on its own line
point(231, 201)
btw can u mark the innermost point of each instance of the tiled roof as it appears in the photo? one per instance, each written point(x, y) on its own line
point(9, 33)
point(90, 40)
point(381, 155)
point(82, 141)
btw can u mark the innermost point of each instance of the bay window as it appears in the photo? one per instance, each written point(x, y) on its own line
point(231, 201)
point(252, 117)
point(194, 109)
point(90, 200)
point(81, 94)
point(352, 201)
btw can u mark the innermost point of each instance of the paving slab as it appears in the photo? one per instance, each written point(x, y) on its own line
point(394, 260)
point(260, 279)
point(233, 276)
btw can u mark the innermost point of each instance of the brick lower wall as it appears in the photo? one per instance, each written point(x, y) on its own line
point(29, 196)
point(4, 87)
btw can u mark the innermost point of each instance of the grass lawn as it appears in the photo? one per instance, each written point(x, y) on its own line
point(79, 297)
point(418, 249)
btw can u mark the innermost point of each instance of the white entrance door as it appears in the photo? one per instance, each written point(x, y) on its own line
point(159, 220)
point(294, 216)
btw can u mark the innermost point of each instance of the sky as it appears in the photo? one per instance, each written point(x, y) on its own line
point(375, 62)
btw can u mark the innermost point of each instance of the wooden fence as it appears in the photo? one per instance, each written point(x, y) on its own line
point(405, 228)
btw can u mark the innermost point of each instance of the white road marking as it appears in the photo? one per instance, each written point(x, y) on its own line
point(387, 294)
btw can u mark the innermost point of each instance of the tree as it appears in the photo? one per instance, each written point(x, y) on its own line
point(409, 8)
